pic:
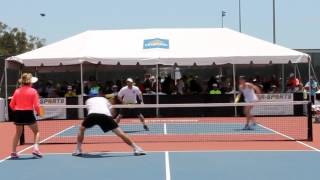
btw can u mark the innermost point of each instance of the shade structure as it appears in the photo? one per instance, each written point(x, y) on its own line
point(181, 46)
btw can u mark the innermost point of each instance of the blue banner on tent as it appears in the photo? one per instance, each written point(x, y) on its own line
point(156, 43)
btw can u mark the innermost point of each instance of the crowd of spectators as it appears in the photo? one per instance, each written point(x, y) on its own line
point(186, 85)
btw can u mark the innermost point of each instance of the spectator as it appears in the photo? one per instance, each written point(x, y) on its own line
point(195, 87)
point(119, 84)
point(139, 84)
point(70, 92)
point(86, 87)
point(147, 84)
point(115, 90)
point(211, 81)
point(215, 90)
point(292, 83)
point(62, 90)
point(180, 87)
point(274, 89)
point(94, 89)
point(168, 86)
point(51, 90)
point(312, 87)
point(225, 85)
point(154, 85)
point(274, 81)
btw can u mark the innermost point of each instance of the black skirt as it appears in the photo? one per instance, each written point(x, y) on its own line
point(24, 117)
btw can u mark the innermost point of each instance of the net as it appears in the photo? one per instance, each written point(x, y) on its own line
point(275, 121)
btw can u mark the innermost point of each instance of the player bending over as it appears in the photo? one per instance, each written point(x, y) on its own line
point(99, 113)
point(249, 91)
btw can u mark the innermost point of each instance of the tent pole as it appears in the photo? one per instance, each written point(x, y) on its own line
point(157, 88)
point(234, 87)
point(282, 78)
point(36, 72)
point(313, 73)
point(6, 90)
point(295, 70)
point(81, 80)
point(309, 74)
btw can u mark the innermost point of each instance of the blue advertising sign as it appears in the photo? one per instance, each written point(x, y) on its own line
point(156, 43)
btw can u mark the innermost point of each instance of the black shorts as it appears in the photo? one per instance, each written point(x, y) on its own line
point(105, 122)
point(24, 117)
point(128, 112)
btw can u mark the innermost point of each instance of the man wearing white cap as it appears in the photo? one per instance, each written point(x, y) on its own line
point(128, 95)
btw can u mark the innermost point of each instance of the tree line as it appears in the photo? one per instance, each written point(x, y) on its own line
point(14, 41)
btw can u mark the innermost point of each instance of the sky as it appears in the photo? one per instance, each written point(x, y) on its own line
point(297, 21)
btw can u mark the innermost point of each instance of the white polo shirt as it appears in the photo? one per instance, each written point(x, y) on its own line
point(98, 105)
point(129, 96)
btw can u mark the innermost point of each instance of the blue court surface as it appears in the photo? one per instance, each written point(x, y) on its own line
point(214, 165)
point(175, 128)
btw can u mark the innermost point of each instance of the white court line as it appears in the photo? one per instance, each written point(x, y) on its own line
point(44, 140)
point(195, 151)
point(165, 128)
point(167, 162)
point(291, 138)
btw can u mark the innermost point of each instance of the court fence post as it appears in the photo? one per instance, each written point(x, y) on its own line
point(6, 111)
point(310, 129)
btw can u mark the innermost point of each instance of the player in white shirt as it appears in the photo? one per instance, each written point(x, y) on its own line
point(99, 113)
point(249, 91)
point(128, 95)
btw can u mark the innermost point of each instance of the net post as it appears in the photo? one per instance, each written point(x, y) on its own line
point(22, 137)
point(310, 129)
point(6, 110)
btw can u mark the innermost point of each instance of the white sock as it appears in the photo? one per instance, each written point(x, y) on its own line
point(135, 146)
point(36, 146)
point(79, 146)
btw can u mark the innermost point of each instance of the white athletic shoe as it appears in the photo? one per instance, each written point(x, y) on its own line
point(77, 152)
point(139, 152)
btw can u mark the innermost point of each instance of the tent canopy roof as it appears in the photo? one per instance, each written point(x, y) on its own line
point(201, 46)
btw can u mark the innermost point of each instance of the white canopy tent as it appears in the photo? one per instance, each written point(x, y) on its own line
point(182, 47)
point(203, 46)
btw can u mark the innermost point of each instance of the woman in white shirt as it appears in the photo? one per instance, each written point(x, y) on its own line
point(249, 91)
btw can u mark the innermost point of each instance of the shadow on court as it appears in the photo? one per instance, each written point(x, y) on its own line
point(103, 155)
point(23, 158)
point(130, 132)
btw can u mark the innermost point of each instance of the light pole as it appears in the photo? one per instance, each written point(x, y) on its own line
point(274, 21)
point(223, 14)
point(240, 16)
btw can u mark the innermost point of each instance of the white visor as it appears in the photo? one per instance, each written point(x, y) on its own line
point(34, 80)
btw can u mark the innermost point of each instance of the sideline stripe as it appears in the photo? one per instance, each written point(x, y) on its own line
point(165, 128)
point(167, 161)
point(46, 139)
point(291, 138)
point(196, 151)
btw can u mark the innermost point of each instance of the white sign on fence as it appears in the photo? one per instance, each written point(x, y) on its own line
point(274, 109)
point(54, 113)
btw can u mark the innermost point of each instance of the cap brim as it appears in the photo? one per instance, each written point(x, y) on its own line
point(34, 80)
